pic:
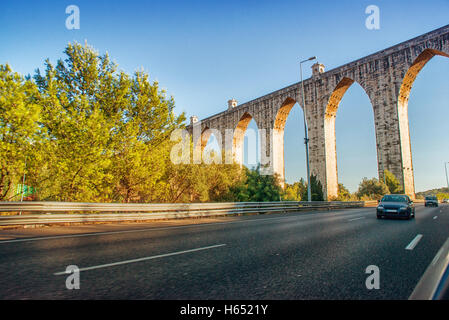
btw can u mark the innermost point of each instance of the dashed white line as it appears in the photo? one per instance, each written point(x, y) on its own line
point(356, 218)
point(414, 242)
point(435, 217)
point(142, 259)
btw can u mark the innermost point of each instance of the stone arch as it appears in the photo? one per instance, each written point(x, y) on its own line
point(404, 130)
point(200, 144)
point(239, 138)
point(329, 134)
point(278, 137)
point(412, 73)
point(205, 136)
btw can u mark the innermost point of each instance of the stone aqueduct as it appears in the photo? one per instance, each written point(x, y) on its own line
point(387, 78)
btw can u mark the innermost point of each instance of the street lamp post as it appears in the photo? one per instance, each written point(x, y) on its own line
point(306, 135)
point(447, 180)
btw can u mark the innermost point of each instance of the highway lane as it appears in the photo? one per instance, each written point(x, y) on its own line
point(317, 255)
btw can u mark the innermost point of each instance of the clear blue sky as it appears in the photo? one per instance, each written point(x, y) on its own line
point(205, 52)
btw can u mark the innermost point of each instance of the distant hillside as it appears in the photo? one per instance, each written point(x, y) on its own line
point(422, 194)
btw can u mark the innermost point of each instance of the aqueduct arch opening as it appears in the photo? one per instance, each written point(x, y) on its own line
point(403, 98)
point(278, 137)
point(200, 144)
point(238, 141)
point(329, 132)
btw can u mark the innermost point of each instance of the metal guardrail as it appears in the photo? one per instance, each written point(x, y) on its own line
point(35, 213)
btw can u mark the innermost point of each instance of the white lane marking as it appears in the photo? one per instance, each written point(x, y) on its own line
point(414, 242)
point(143, 259)
point(149, 229)
point(356, 218)
point(435, 217)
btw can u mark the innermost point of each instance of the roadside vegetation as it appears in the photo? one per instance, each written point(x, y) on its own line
point(369, 189)
point(83, 130)
point(441, 193)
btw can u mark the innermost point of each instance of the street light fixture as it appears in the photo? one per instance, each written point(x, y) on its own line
point(306, 136)
point(447, 180)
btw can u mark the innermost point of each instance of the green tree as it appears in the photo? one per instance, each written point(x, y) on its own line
point(393, 184)
point(19, 116)
point(316, 190)
point(256, 187)
point(291, 192)
point(372, 189)
point(107, 132)
point(423, 194)
point(200, 182)
point(142, 145)
point(294, 192)
point(220, 178)
point(81, 98)
point(343, 194)
point(441, 196)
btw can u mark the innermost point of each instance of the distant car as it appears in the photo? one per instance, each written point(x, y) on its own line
point(431, 201)
point(396, 205)
point(445, 200)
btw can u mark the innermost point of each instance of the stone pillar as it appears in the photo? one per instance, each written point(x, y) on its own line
point(267, 153)
point(321, 164)
point(392, 136)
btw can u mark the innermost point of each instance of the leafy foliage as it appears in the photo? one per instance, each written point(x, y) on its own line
point(298, 190)
point(392, 183)
point(441, 196)
point(257, 187)
point(316, 190)
point(106, 132)
point(344, 194)
point(200, 183)
point(372, 189)
point(18, 128)
point(295, 191)
point(423, 194)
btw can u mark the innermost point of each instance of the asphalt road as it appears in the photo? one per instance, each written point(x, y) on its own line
point(316, 255)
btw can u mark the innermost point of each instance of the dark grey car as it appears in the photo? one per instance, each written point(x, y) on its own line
point(431, 201)
point(396, 206)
